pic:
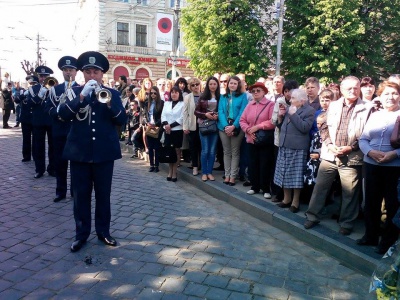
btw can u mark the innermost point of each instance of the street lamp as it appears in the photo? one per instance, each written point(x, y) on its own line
point(279, 11)
point(173, 57)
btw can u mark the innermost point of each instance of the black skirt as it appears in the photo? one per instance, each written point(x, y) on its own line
point(175, 138)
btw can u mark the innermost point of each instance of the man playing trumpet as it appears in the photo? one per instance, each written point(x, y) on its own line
point(60, 128)
point(92, 146)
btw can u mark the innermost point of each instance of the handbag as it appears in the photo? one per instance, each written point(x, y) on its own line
point(395, 136)
point(152, 131)
point(167, 154)
point(208, 127)
point(263, 137)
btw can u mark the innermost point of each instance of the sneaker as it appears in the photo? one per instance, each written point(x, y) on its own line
point(251, 192)
point(267, 196)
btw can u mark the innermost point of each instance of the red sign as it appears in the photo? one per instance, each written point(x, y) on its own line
point(133, 59)
point(179, 62)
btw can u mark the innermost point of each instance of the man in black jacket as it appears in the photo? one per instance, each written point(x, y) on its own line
point(8, 105)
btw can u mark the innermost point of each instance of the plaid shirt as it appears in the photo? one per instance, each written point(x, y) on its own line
point(341, 133)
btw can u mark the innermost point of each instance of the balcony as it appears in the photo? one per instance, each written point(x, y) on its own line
point(131, 49)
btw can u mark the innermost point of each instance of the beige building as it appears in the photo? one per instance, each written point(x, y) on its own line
point(125, 32)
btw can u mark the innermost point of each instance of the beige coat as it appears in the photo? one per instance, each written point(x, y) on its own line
point(189, 119)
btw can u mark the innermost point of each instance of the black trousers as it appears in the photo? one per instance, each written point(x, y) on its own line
point(6, 116)
point(260, 165)
point(381, 183)
point(27, 129)
point(39, 146)
point(195, 147)
point(60, 165)
point(85, 177)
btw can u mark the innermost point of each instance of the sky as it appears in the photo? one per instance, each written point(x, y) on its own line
point(22, 20)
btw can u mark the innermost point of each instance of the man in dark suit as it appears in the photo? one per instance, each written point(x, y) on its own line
point(92, 146)
point(60, 127)
point(41, 124)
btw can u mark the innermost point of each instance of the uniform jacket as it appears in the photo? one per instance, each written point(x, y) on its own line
point(189, 118)
point(8, 102)
point(238, 103)
point(59, 126)
point(39, 116)
point(295, 128)
point(250, 113)
point(26, 109)
point(93, 137)
point(356, 127)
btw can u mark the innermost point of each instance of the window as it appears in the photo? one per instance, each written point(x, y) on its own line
point(122, 33)
point(142, 2)
point(141, 35)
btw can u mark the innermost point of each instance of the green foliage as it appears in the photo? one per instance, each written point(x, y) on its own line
point(226, 36)
point(329, 39)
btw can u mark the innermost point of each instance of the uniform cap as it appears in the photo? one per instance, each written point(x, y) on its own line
point(67, 62)
point(32, 79)
point(93, 59)
point(43, 70)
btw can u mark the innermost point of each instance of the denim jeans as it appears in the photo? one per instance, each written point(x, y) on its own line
point(208, 148)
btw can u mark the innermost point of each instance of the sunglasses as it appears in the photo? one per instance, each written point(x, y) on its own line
point(195, 84)
point(161, 84)
point(223, 81)
point(153, 93)
point(256, 91)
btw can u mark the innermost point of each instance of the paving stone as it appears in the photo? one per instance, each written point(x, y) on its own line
point(217, 281)
point(239, 286)
point(217, 294)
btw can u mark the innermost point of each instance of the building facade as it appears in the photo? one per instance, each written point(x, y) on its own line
point(127, 33)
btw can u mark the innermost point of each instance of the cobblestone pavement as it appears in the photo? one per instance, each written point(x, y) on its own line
point(175, 242)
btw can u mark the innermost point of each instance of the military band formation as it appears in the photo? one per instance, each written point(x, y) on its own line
point(79, 122)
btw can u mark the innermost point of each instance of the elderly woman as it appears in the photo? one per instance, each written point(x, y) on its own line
point(381, 163)
point(230, 109)
point(294, 140)
point(257, 116)
point(190, 126)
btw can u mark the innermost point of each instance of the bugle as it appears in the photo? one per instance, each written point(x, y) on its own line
point(49, 82)
point(103, 96)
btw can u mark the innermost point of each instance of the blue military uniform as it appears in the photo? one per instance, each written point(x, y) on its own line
point(41, 127)
point(26, 120)
point(60, 127)
point(92, 146)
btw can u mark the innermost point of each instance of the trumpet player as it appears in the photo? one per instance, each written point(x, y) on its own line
point(92, 146)
point(41, 124)
point(60, 128)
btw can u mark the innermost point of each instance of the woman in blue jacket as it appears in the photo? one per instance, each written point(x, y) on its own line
point(230, 109)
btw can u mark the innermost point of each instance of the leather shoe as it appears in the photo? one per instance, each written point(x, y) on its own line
point(344, 231)
point(58, 198)
point(310, 224)
point(52, 173)
point(77, 245)
point(283, 205)
point(38, 175)
point(108, 240)
point(25, 159)
point(364, 241)
point(294, 209)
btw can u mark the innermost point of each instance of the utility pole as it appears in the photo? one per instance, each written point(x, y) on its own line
point(175, 44)
point(280, 12)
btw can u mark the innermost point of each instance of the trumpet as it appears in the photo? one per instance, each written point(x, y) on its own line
point(103, 96)
point(49, 82)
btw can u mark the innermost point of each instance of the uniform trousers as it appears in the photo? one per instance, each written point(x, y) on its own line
point(39, 145)
point(60, 165)
point(6, 117)
point(350, 179)
point(84, 177)
point(27, 129)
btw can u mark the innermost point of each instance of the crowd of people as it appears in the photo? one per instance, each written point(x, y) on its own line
point(294, 143)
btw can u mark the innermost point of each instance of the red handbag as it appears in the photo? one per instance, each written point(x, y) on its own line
point(395, 137)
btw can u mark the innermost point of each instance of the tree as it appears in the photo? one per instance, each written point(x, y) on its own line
point(330, 39)
point(227, 36)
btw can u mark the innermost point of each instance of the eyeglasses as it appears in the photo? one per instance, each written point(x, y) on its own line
point(256, 91)
point(161, 84)
point(153, 93)
point(223, 81)
point(195, 84)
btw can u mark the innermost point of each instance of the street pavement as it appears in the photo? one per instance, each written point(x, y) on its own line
point(174, 242)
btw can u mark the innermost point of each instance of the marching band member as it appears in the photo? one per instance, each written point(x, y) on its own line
point(41, 124)
point(92, 146)
point(60, 128)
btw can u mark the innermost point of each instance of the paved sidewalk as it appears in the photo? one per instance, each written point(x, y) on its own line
point(175, 242)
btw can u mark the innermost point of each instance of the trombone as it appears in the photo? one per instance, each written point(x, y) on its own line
point(49, 82)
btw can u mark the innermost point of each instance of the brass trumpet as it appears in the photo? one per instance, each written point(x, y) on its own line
point(49, 82)
point(103, 96)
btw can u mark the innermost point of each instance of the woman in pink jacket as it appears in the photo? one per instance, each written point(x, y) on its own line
point(257, 116)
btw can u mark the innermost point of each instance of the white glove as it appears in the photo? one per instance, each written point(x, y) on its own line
point(21, 92)
point(26, 93)
point(89, 87)
point(42, 92)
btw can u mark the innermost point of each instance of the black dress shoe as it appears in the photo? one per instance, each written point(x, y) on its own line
point(345, 231)
point(247, 183)
point(52, 173)
point(284, 205)
point(108, 240)
point(169, 178)
point(156, 169)
point(151, 169)
point(310, 224)
point(16, 125)
point(294, 209)
point(364, 241)
point(25, 159)
point(231, 183)
point(38, 175)
point(58, 198)
point(174, 179)
point(77, 245)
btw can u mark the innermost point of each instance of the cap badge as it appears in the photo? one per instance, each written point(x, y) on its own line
point(92, 60)
point(68, 62)
point(43, 70)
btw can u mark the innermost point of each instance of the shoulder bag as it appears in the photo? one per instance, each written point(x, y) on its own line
point(208, 126)
point(152, 131)
point(263, 137)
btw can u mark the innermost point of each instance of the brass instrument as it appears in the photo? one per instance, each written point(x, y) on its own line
point(49, 82)
point(103, 96)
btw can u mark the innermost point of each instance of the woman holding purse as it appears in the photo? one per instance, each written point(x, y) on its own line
point(207, 110)
point(257, 116)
